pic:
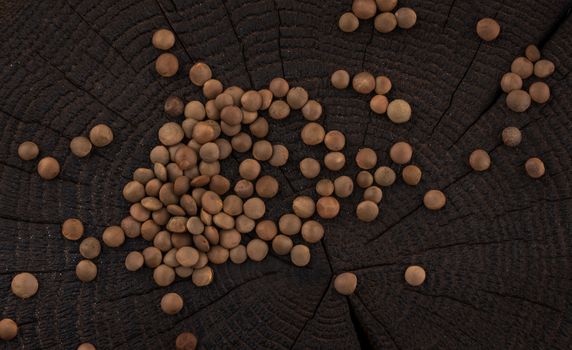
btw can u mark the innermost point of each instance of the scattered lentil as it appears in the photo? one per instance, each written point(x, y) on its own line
point(28, 150)
point(312, 231)
point(90, 248)
point(48, 168)
point(385, 22)
point(386, 5)
point(479, 160)
point(86, 271)
point(532, 53)
point(367, 211)
point(348, 22)
point(327, 207)
point(343, 186)
point(406, 17)
point(101, 135)
point(364, 9)
point(345, 283)
point(282, 244)
point(399, 111)
point(522, 67)
point(297, 97)
point(340, 79)
point(186, 341)
point(8, 329)
point(200, 73)
point(415, 275)
point(167, 65)
point(174, 106)
point(511, 81)
point(378, 104)
point(434, 200)
point(171, 303)
point(313, 134)
point(24, 285)
point(279, 87)
point(163, 39)
point(289, 224)
point(534, 167)
point(488, 29)
point(411, 175)
point(303, 206)
point(511, 136)
point(366, 158)
point(300, 255)
point(134, 261)
point(257, 249)
point(72, 229)
point(363, 83)
point(543, 68)
point(401, 153)
point(518, 100)
point(539, 92)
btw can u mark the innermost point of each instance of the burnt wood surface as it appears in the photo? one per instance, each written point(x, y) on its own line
point(498, 256)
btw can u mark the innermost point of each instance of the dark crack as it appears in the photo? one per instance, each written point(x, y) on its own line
point(378, 321)
point(449, 14)
point(366, 46)
point(279, 37)
point(358, 328)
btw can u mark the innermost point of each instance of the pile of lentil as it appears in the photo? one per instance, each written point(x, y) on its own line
point(388, 16)
point(193, 216)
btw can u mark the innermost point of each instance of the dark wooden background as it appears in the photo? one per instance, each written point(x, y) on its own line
point(498, 257)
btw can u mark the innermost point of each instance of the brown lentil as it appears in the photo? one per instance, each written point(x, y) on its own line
point(282, 244)
point(262, 150)
point(167, 65)
point(367, 211)
point(386, 5)
point(101, 135)
point(544, 68)
point(171, 303)
point(72, 229)
point(479, 160)
point(300, 255)
point(373, 194)
point(415, 275)
point(86, 271)
point(348, 22)
point(406, 17)
point(364, 9)
point(244, 188)
point(212, 88)
point(310, 168)
point(257, 249)
point(259, 128)
point(532, 53)
point(90, 248)
point(8, 329)
point(522, 67)
point(266, 230)
point(218, 255)
point(312, 110)
point(385, 22)
point(28, 150)
point(251, 100)
point(249, 169)
point(312, 231)
point(279, 110)
point(325, 187)
point(195, 110)
point(340, 79)
point(378, 104)
point(488, 29)
point(238, 254)
point(241, 142)
point(434, 199)
point(297, 97)
point(518, 100)
point(232, 205)
point(195, 226)
point(164, 275)
point(401, 153)
point(366, 158)
point(153, 256)
point(279, 87)
point(24, 285)
point(345, 283)
point(539, 92)
point(363, 83)
point(80, 146)
point(289, 224)
point(335, 140)
point(279, 155)
point(364, 179)
point(399, 111)
point(186, 341)
point(303, 206)
point(163, 39)
point(113, 236)
point(134, 261)
point(343, 186)
point(244, 224)
point(411, 175)
point(384, 176)
point(534, 167)
point(382, 85)
point(327, 207)
point(200, 73)
point(48, 168)
point(203, 277)
point(267, 187)
point(334, 161)
point(511, 81)
point(174, 106)
point(254, 208)
point(511, 136)
point(312, 134)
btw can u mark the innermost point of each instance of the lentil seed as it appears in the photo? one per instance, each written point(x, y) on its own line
point(406, 17)
point(186, 341)
point(289, 224)
point(327, 208)
point(28, 150)
point(539, 92)
point(200, 73)
point(479, 160)
point(90, 248)
point(434, 200)
point(522, 67)
point(167, 65)
point(343, 186)
point(257, 249)
point(340, 79)
point(345, 283)
point(385, 22)
point(174, 106)
point(171, 303)
point(313, 134)
point(532, 53)
point(363, 83)
point(8, 329)
point(411, 175)
point(348, 22)
point(297, 97)
point(378, 104)
point(364, 9)
point(335, 140)
point(282, 244)
point(534, 167)
point(543, 68)
point(518, 100)
point(24, 285)
point(366, 158)
point(511, 136)
point(334, 161)
point(72, 229)
point(415, 275)
point(511, 81)
point(401, 153)
point(303, 206)
point(48, 168)
point(300, 255)
point(399, 111)
point(488, 29)
point(312, 231)
point(364, 179)
point(325, 187)
point(86, 271)
point(367, 211)
point(134, 261)
point(279, 87)
point(163, 39)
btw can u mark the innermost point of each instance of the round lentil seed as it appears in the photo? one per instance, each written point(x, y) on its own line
point(86, 271)
point(378, 104)
point(266, 230)
point(312, 231)
point(203, 277)
point(28, 150)
point(401, 153)
point(164, 275)
point(334, 161)
point(384, 176)
point(345, 283)
point(174, 106)
point(251, 101)
point(279, 155)
point(195, 110)
point(532, 53)
point(335, 140)
point(406, 17)
point(200, 73)
point(382, 85)
point(386, 5)
point(363, 83)
point(249, 169)
point(238, 254)
point(279, 110)
point(543, 68)
point(134, 261)
point(312, 110)
point(259, 128)
point(539, 92)
point(282, 244)
point(80, 146)
point(511, 81)
point(399, 111)
point(348, 22)
point(262, 150)
point(244, 188)
point(385, 22)
point(279, 87)
point(522, 67)
point(415, 275)
point(367, 211)
point(289, 224)
point(163, 39)
point(257, 249)
point(303, 206)
point(511, 136)
point(241, 142)
point(434, 200)
point(313, 134)
point(518, 100)
point(171, 303)
point(340, 79)
point(364, 9)
point(411, 175)
point(24, 285)
point(297, 97)
point(325, 187)
point(72, 229)
point(488, 29)
point(479, 160)
point(186, 341)
point(8, 329)
point(300, 255)
point(254, 208)
point(366, 158)
point(171, 134)
point(48, 168)
point(167, 65)
point(90, 248)
point(327, 207)
point(364, 179)
point(534, 167)
point(373, 193)
point(113, 236)
point(267, 187)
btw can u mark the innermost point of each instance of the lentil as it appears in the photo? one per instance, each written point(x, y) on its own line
point(348, 22)
point(401, 153)
point(303, 206)
point(411, 175)
point(8, 329)
point(163, 39)
point(186, 341)
point(327, 208)
point(164, 275)
point(488, 29)
point(363, 83)
point(385, 22)
point(279, 110)
point(366, 158)
point(543, 68)
point(28, 150)
point(90, 248)
point(415, 275)
point(134, 261)
point(24, 285)
point(200, 73)
point(267, 187)
point(167, 65)
point(113, 236)
point(48, 168)
point(289, 224)
point(282, 244)
point(86, 271)
point(312, 231)
point(203, 277)
point(434, 200)
point(238, 254)
point(340, 79)
point(518, 100)
point(257, 249)
point(266, 230)
point(378, 104)
point(279, 155)
point(532, 53)
point(534, 167)
point(312, 110)
point(300, 255)
point(335, 140)
point(522, 67)
point(386, 5)
point(312, 134)
point(171, 303)
point(364, 179)
point(297, 97)
point(511, 136)
point(262, 150)
point(511, 81)
point(279, 87)
point(364, 9)
point(345, 283)
point(174, 106)
point(539, 92)
point(343, 186)
point(479, 160)
point(72, 229)
point(249, 169)
point(406, 17)
point(254, 208)
point(399, 111)
point(367, 211)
